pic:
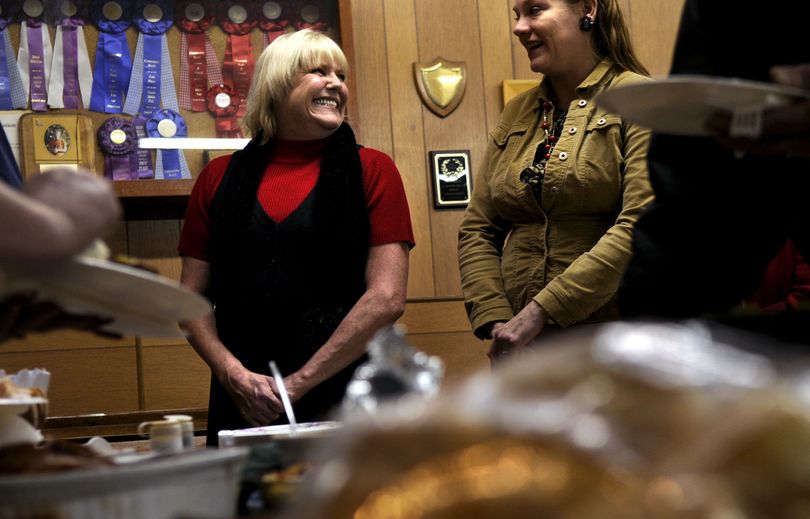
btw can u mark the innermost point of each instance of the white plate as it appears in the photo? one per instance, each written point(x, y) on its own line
point(251, 435)
point(139, 302)
point(194, 483)
point(19, 405)
point(681, 105)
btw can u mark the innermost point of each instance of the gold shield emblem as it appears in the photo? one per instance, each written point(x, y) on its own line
point(441, 84)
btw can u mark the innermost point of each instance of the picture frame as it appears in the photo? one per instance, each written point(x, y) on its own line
point(451, 178)
point(513, 87)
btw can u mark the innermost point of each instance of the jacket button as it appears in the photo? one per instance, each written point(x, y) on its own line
point(601, 121)
point(555, 189)
point(563, 155)
point(582, 103)
point(572, 131)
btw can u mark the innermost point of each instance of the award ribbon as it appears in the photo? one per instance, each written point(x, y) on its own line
point(199, 68)
point(237, 19)
point(113, 63)
point(71, 75)
point(118, 141)
point(143, 157)
point(170, 164)
point(152, 81)
point(12, 93)
point(224, 105)
point(273, 21)
point(34, 55)
point(310, 18)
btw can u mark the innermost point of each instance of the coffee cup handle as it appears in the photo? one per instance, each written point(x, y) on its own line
point(142, 429)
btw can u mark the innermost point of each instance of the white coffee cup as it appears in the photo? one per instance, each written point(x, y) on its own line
point(186, 426)
point(165, 436)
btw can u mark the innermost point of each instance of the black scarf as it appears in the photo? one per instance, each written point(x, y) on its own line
point(340, 207)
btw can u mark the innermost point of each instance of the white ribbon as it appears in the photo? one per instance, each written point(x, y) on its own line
point(56, 81)
point(22, 55)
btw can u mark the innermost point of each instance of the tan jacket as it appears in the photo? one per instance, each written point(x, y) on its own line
point(569, 254)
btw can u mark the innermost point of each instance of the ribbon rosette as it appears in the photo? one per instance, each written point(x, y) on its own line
point(237, 19)
point(224, 105)
point(119, 142)
point(171, 164)
point(70, 77)
point(310, 16)
point(199, 68)
point(12, 93)
point(113, 63)
point(273, 21)
point(152, 84)
point(35, 54)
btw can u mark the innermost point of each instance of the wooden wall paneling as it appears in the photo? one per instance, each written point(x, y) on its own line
point(653, 28)
point(374, 103)
point(61, 340)
point(496, 57)
point(347, 44)
point(408, 138)
point(174, 377)
point(84, 381)
point(462, 353)
point(435, 316)
point(465, 128)
point(154, 242)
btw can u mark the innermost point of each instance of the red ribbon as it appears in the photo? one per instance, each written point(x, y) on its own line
point(237, 67)
point(319, 24)
point(276, 27)
point(227, 125)
point(194, 68)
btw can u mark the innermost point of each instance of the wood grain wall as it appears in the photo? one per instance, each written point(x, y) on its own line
point(99, 375)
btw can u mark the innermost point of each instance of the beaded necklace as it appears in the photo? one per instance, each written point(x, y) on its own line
point(533, 175)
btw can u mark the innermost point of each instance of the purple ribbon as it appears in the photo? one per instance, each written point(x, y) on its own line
point(113, 64)
point(120, 159)
point(171, 159)
point(36, 66)
point(144, 157)
point(70, 63)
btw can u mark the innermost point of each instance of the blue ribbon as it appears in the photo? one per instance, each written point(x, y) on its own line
point(150, 52)
point(170, 164)
point(113, 64)
point(5, 79)
point(12, 92)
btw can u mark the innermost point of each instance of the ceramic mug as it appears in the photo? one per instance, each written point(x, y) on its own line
point(186, 426)
point(165, 436)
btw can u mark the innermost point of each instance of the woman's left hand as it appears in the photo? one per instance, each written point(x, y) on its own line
point(517, 333)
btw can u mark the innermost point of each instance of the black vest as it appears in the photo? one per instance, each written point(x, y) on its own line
point(280, 290)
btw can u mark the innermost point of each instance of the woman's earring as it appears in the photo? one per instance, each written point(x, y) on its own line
point(586, 23)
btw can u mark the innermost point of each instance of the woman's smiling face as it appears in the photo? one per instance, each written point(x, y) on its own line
point(316, 106)
point(549, 30)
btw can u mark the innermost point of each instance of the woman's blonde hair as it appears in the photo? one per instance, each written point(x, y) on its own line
point(611, 37)
point(277, 72)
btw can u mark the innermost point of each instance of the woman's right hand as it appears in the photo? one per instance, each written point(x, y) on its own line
point(517, 333)
point(253, 395)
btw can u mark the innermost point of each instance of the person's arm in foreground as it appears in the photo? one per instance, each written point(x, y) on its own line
point(55, 215)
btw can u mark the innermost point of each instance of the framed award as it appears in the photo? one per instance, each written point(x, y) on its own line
point(49, 141)
point(451, 178)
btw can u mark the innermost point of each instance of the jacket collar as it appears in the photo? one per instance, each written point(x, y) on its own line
point(602, 73)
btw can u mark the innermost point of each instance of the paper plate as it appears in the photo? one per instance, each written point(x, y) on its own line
point(139, 302)
point(20, 404)
point(681, 105)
